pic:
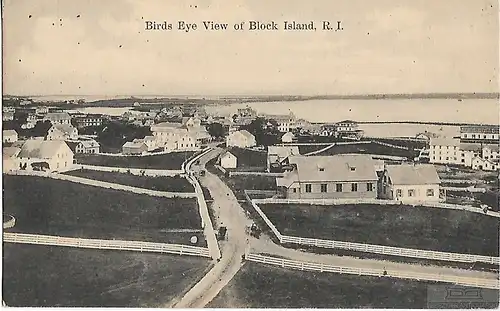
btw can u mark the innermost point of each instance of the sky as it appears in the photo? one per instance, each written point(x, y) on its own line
point(100, 47)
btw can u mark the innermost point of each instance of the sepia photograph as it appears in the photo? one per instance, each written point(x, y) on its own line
point(235, 154)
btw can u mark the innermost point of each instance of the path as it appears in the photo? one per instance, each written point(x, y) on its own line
point(232, 216)
point(265, 246)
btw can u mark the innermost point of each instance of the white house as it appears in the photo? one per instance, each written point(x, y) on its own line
point(445, 151)
point(480, 133)
point(409, 182)
point(9, 136)
point(175, 137)
point(288, 137)
point(228, 160)
point(242, 139)
point(134, 148)
point(62, 132)
point(55, 153)
point(88, 146)
point(479, 163)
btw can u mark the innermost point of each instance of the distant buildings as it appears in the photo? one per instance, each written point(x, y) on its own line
point(247, 112)
point(175, 137)
point(88, 120)
point(9, 136)
point(332, 177)
point(7, 116)
point(285, 123)
point(278, 156)
point(343, 129)
point(242, 139)
point(408, 182)
point(228, 160)
point(453, 152)
point(58, 118)
point(488, 134)
point(9, 156)
point(62, 132)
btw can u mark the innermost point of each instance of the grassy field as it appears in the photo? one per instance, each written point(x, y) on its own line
point(490, 198)
point(401, 226)
point(249, 159)
point(161, 183)
point(412, 144)
point(170, 161)
point(368, 148)
point(261, 286)
point(303, 149)
point(56, 207)
point(46, 276)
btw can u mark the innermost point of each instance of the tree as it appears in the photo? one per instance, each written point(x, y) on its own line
point(264, 135)
point(40, 129)
point(216, 130)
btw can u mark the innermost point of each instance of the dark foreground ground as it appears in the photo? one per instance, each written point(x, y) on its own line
point(46, 276)
point(261, 286)
point(55, 207)
point(401, 226)
point(161, 183)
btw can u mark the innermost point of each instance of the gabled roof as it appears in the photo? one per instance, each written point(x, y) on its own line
point(131, 144)
point(167, 127)
point(89, 143)
point(470, 147)
point(357, 167)
point(40, 149)
point(64, 128)
point(409, 174)
point(246, 133)
point(444, 142)
point(227, 154)
point(57, 116)
point(9, 152)
point(9, 133)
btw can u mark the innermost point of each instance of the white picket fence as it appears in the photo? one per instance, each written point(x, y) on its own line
point(393, 203)
point(311, 266)
point(203, 208)
point(372, 248)
point(105, 244)
point(466, 189)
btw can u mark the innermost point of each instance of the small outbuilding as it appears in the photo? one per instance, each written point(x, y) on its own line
point(228, 160)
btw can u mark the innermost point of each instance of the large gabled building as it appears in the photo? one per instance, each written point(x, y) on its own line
point(330, 177)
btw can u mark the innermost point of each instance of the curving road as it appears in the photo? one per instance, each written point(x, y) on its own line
point(231, 215)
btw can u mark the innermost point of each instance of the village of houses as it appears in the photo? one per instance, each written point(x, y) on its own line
point(316, 164)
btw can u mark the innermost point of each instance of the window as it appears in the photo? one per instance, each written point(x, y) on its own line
point(321, 169)
point(369, 186)
point(399, 193)
point(430, 192)
point(294, 190)
point(411, 192)
point(308, 187)
point(339, 188)
point(354, 187)
point(324, 187)
point(353, 168)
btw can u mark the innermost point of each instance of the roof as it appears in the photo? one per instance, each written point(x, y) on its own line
point(247, 134)
point(484, 129)
point(57, 116)
point(131, 144)
point(8, 152)
point(288, 134)
point(9, 133)
point(283, 151)
point(409, 174)
point(149, 138)
point(358, 167)
point(166, 127)
point(40, 149)
point(227, 154)
point(89, 143)
point(444, 142)
point(65, 128)
point(347, 121)
point(470, 147)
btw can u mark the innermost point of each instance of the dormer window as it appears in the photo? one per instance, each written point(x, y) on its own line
point(353, 168)
point(321, 169)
